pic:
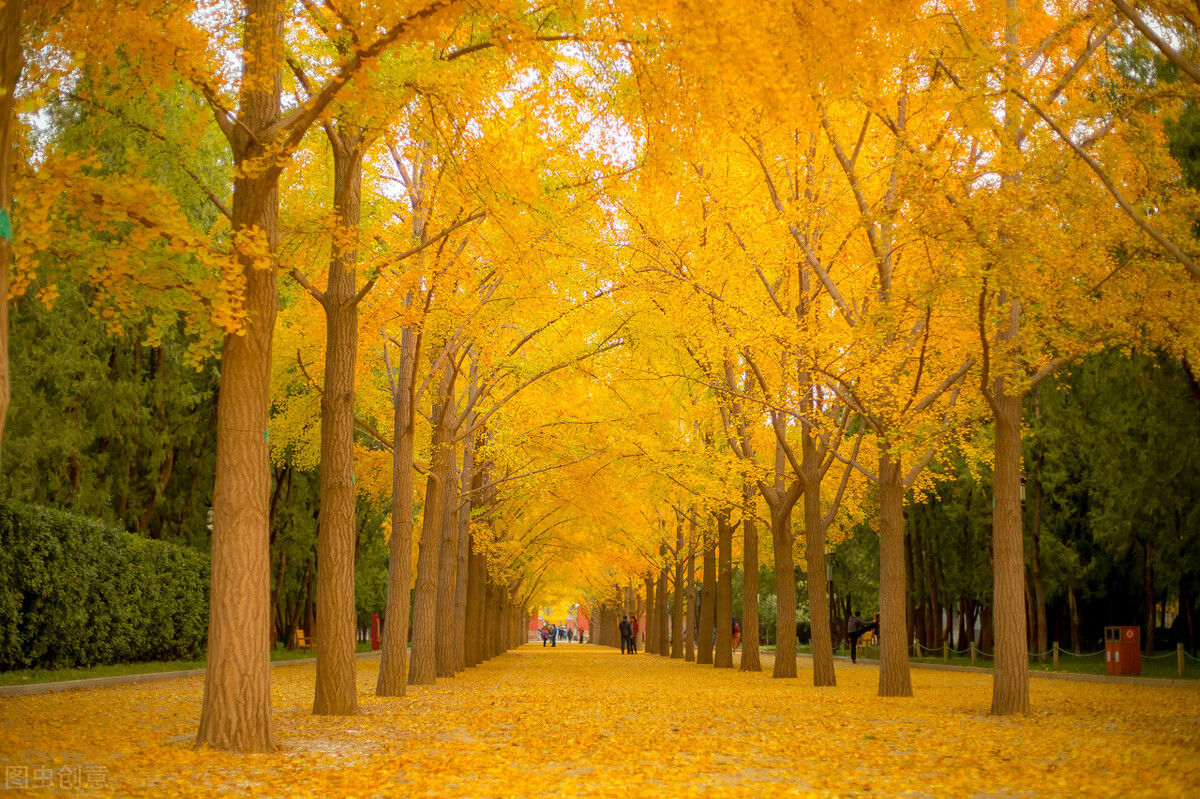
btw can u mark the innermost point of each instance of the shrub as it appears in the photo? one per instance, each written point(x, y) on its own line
point(76, 592)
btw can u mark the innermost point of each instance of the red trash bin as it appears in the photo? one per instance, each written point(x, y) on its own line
point(1123, 650)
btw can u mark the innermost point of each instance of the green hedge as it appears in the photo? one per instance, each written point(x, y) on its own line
point(76, 592)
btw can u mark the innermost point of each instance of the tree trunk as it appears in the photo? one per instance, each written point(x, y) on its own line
point(750, 657)
point(910, 594)
point(689, 651)
point(236, 710)
point(1010, 687)
point(422, 668)
point(651, 609)
point(678, 603)
point(1148, 587)
point(476, 578)
point(393, 663)
point(660, 613)
point(785, 584)
point(12, 63)
point(337, 533)
point(723, 657)
point(928, 538)
point(488, 642)
point(921, 614)
point(814, 531)
point(708, 598)
point(458, 655)
point(894, 678)
point(447, 562)
point(1076, 632)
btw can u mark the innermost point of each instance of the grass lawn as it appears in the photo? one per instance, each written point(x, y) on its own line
point(1163, 665)
point(28, 676)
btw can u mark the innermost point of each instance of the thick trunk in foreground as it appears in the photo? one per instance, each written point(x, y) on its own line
point(337, 529)
point(1010, 686)
point(723, 656)
point(12, 63)
point(393, 663)
point(708, 600)
point(894, 677)
point(750, 656)
point(236, 710)
point(814, 536)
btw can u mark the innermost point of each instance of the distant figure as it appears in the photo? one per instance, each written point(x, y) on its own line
point(553, 635)
point(624, 629)
point(545, 633)
point(855, 628)
point(634, 629)
point(737, 635)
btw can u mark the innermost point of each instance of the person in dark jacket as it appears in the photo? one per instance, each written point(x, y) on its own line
point(855, 629)
point(624, 629)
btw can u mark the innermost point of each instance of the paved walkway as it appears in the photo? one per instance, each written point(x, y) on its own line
point(586, 720)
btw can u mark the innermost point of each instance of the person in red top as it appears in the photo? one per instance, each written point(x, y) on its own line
point(634, 629)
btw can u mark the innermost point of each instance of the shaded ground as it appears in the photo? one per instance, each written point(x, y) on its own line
point(582, 720)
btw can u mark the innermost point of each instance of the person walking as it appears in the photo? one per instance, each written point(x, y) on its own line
point(624, 628)
point(553, 635)
point(634, 629)
point(855, 629)
point(737, 635)
point(545, 633)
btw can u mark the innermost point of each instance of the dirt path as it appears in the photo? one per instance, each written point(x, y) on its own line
point(588, 721)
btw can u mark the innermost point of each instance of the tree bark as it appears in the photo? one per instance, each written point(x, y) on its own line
point(689, 650)
point(1148, 587)
point(1010, 687)
point(660, 613)
point(750, 660)
point(708, 598)
point(337, 536)
point(488, 642)
point(723, 657)
point(393, 663)
point(422, 668)
point(648, 632)
point(1073, 610)
point(12, 63)
point(466, 481)
point(814, 531)
point(236, 710)
point(894, 678)
point(447, 563)
point(678, 602)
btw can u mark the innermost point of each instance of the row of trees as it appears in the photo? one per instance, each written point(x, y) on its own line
point(617, 282)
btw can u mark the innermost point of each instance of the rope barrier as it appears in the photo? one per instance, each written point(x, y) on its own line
point(1190, 656)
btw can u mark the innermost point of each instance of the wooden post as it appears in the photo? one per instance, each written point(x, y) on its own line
point(972, 648)
point(1056, 655)
point(946, 651)
point(1179, 658)
point(916, 650)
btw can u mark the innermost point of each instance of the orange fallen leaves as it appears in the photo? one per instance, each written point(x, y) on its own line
point(588, 721)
